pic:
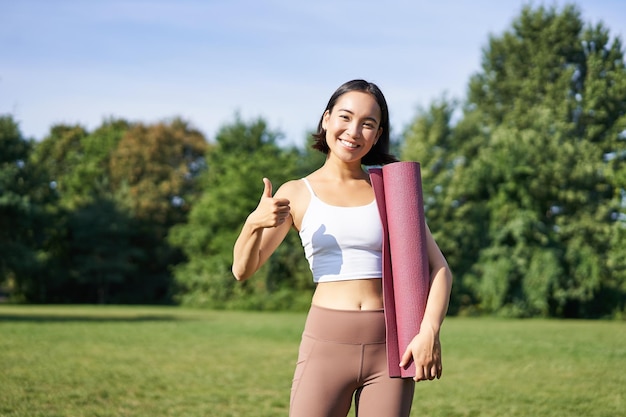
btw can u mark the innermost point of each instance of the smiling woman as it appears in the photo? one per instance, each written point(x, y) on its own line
point(373, 121)
point(343, 349)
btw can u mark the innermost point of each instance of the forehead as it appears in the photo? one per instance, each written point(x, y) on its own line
point(359, 102)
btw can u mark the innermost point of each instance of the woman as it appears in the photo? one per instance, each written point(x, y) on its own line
point(342, 352)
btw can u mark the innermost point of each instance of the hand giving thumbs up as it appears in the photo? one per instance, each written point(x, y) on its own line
point(271, 212)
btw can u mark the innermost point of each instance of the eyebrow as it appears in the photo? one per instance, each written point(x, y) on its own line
point(352, 113)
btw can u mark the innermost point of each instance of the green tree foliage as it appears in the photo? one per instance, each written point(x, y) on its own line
point(524, 186)
point(153, 169)
point(76, 164)
point(14, 204)
point(23, 191)
point(78, 161)
point(99, 258)
point(460, 229)
point(243, 155)
point(528, 181)
point(119, 190)
point(90, 179)
point(60, 153)
point(92, 256)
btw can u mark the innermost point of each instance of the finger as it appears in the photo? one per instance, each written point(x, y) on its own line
point(419, 374)
point(406, 358)
point(267, 191)
point(433, 373)
point(282, 203)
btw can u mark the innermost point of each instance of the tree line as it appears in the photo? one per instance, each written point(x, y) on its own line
point(524, 189)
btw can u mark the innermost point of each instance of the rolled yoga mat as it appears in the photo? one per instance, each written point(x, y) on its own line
point(406, 277)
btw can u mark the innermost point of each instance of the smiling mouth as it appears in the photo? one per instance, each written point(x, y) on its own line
point(348, 144)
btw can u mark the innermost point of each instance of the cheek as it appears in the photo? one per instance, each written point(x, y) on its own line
point(333, 126)
point(372, 135)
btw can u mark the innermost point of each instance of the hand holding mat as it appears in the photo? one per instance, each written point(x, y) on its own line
point(406, 277)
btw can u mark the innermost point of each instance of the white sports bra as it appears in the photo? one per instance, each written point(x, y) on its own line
point(342, 243)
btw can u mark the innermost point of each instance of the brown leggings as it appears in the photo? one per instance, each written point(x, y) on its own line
point(342, 354)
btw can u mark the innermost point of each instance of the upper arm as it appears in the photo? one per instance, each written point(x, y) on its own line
point(436, 260)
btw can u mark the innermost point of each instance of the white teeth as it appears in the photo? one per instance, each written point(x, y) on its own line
point(348, 144)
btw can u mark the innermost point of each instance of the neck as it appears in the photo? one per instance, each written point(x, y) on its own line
point(344, 170)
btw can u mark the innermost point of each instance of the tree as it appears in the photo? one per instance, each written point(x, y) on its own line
point(442, 150)
point(104, 259)
point(243, 155)
point(23, 194)
point(15, 208)
point(76, 254)
point(153, 169)
point(528, 166)
point(120, 188)
point(89, 178)
point(153, 172)
point(60, 153)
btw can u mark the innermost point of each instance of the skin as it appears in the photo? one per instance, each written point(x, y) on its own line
point(352, 128)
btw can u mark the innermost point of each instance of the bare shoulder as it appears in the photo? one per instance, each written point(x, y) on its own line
point(298, 195)
point(290, 190)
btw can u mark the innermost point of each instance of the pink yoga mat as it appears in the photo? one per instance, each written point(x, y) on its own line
point(406, 278)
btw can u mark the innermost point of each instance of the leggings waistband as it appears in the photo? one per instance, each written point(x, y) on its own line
point(345, 326)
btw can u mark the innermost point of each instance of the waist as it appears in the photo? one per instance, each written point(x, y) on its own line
point(345, 326)
point(358, 294)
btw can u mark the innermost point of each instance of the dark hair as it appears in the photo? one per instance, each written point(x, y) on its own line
point(379, 154)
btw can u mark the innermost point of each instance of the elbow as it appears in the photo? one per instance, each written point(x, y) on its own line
point(448, 274)
point(239, 275)
point(447, 271)
point(442, 271)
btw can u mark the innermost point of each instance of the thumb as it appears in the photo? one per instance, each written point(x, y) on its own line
point(267, 191)
point(406, 358)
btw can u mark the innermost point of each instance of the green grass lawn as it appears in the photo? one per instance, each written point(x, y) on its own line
point(160, 361)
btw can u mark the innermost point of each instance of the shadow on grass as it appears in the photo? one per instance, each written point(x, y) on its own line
point(42, 318)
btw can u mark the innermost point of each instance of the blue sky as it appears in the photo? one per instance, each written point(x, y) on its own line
point(81, 61)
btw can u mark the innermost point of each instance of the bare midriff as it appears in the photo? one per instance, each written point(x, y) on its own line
point(357, 294)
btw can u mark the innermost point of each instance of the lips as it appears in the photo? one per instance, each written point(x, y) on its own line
point(348, 144)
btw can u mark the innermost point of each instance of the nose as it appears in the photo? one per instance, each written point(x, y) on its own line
point(354, 130)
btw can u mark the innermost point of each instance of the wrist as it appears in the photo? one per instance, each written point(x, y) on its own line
point(433, 325)
point(252, 224)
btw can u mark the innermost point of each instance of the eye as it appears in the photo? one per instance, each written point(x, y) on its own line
point(369, 125)
point(344, 117)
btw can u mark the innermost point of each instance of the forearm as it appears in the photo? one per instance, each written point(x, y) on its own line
point(425, 348)
point(438, 298)
point(246, 252)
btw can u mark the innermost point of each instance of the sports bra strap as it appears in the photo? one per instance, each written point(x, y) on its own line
point(308, 185)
